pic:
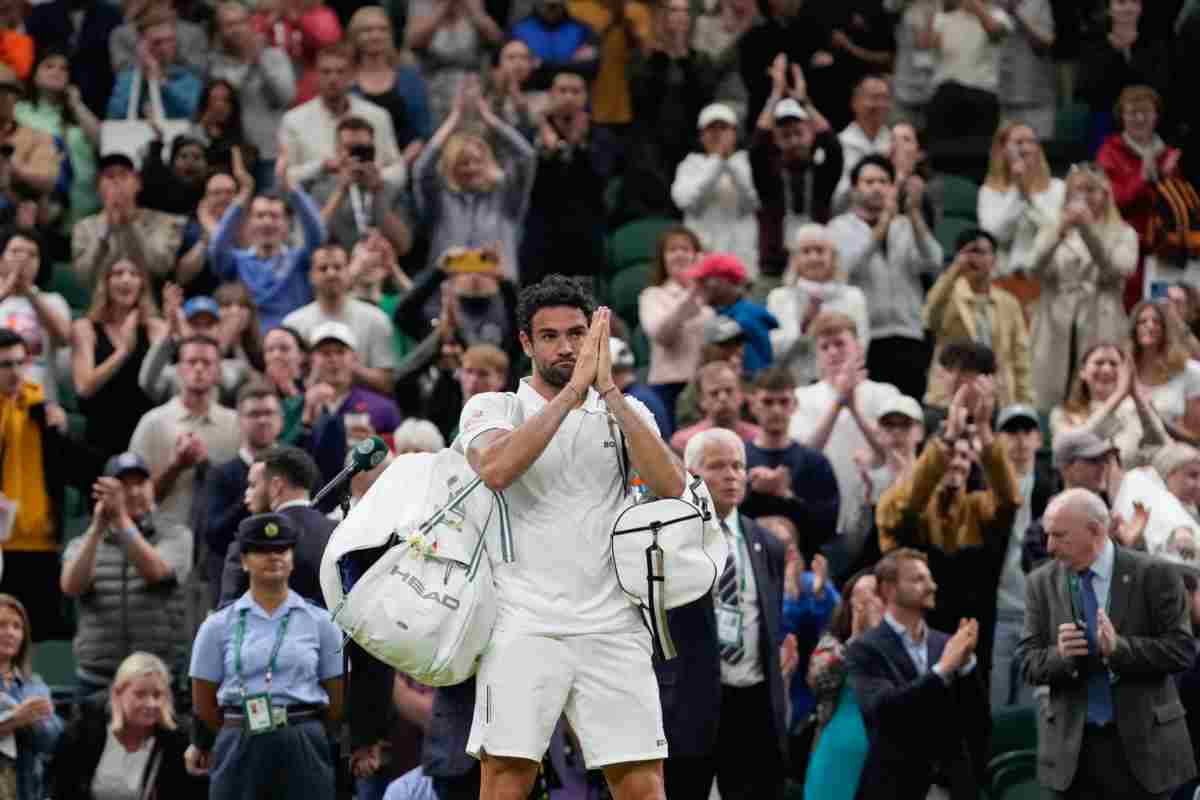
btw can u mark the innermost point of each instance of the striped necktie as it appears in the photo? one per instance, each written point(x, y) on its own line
point(727, 594)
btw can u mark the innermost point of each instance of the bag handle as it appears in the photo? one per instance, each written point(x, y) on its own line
point(135, 96)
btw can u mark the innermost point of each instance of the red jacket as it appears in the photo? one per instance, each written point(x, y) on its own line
point(1134, 196)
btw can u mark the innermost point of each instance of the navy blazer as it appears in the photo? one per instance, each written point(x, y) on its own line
point(689, 685)
point(894, 699)
point(224, 503)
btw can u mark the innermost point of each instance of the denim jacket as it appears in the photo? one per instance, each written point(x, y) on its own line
point(35, 743)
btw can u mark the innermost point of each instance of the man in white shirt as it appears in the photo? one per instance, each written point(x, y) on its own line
point(562, 449)
point(309, 131)
point(329, 273)
point(833, 414)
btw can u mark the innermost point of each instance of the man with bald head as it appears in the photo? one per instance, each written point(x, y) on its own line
point(1105, 627)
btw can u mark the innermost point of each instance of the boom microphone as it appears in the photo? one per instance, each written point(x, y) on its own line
point(365, 456)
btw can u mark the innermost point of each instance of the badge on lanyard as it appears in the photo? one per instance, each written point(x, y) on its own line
point(729, 626)
point(257, 708)
point(261, 716)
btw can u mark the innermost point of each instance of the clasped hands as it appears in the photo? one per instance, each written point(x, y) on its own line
point(593, 364)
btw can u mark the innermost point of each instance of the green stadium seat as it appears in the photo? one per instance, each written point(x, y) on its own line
point(641, 348)
point(1073, 123)
point(63, 281)
point(624, 290)
point(612, 195)
point(960, 197)
point(54, 660)
point(633, 243)
point(947, 232)
point(1012, 776)
point(1014, 728)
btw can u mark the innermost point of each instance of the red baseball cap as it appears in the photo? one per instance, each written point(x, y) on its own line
point(719, 265)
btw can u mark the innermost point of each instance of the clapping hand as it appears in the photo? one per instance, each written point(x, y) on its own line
point(789, 656)
point(31, 711)
point(1106, 634)
point(961, 646)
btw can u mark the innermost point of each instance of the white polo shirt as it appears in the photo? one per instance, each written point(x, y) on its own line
point(562, 510)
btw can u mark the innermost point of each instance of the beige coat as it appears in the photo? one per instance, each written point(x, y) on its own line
point(1080, 303)
point(949, 315)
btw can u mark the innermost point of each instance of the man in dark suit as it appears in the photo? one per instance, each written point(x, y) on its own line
point(723, 697)
point(1105, 628)
point(922, 698)
point(260, 419)
point(281, 480)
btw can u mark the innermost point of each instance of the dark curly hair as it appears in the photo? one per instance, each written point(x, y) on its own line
point(549, 292)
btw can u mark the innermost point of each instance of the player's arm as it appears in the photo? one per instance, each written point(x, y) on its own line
point(657, 466)
point(500, 457)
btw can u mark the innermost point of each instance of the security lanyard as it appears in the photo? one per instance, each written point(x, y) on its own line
point(240, 633)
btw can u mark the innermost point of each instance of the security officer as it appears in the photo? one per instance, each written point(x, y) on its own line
point(267, 681)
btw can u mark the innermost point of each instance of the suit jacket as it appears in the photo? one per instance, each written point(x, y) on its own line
point(224, 503)
point(314, 530)
point(1150, 611)
point(689, 685)
point(894, 699)
point(949, 314)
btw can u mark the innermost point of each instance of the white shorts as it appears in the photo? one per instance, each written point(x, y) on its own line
point(604, 683)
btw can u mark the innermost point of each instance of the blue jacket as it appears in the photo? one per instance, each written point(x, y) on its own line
point(555, 47)
point(806, 616)
point(180, 94)
point(278, 285)
point(756, 323)
point(35, 743)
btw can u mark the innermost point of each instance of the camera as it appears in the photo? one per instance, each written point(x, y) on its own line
point(363, 152)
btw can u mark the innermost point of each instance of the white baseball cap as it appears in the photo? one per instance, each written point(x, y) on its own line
point(905, 406)
point(333, 332)
point(716, 112)
point(787, 108)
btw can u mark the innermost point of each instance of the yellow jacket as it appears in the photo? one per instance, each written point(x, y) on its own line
point(949, 315)
point(913, 501)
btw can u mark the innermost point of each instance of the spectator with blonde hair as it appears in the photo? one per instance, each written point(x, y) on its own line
point(814, 282)
point(1081, 263)
point(1160, 359)
point(466, 196)
point(126, 744)
point(26, 706)
point(1018, 199)
point(388, 78)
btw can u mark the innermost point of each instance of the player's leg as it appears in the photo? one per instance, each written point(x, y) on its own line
point(504, 778)
point(520, 691)
point(640, 780)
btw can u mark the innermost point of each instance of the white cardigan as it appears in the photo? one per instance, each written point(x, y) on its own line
point(796, 350)
point(1015, 222)
point(728, 227)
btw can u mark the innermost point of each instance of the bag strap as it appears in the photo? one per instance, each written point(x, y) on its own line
point(135, 95)
point(157, 109)
point(656, 611)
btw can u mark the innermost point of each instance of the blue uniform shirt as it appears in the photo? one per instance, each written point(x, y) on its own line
point(311, 652)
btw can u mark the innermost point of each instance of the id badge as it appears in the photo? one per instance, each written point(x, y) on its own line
point(729, 626)
point(259, 718)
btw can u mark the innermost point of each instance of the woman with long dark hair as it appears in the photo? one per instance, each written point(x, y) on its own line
point(218, 123)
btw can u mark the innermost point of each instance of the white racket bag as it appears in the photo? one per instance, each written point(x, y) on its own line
point(427, 605)
point(668, 553)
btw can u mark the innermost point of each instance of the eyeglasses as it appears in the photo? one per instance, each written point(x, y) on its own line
point(11, 363)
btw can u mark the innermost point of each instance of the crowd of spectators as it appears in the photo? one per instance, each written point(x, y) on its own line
point(930, 261)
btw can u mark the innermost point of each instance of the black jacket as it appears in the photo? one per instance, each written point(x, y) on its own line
point(78, 755)
point(313, 531)
point(689, 685)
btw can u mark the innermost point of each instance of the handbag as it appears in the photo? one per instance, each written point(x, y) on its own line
point(668, 553)
point(132, 136)
point(427, 605)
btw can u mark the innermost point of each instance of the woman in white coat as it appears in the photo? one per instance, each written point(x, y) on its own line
point(1018, 199)
point(715, 190)
point(812, 284)
point(1082, 262)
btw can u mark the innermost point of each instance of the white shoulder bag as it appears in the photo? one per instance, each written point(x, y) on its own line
point(427, 605)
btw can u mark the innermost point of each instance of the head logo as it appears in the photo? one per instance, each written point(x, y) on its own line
point(270, 530)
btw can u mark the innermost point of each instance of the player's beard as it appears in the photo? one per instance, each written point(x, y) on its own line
point(556, 375)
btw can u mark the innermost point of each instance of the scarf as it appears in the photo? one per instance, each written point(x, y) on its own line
point(1149, 155)
point(22, 478)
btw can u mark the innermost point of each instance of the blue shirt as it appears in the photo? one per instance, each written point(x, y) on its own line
point(311, 652)
point(412, 785)
point(36, 743)
point(918, 650)
point(279, 284)
point(756, 324)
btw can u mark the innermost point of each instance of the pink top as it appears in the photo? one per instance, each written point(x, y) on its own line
point(674, 351)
